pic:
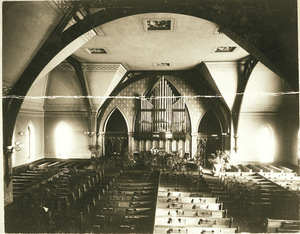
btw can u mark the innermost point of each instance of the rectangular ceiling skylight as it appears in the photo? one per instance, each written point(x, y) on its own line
point(97, 50)
point(162, 64)
point(158, 24)
point(225, 49)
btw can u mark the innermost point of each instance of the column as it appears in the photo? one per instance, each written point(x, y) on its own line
point(175, 146)
point(225, 141)
point(130, 143)
point(148, 145)
point(194, 144)
point(155, 144)
point(101, 143)
point(162, 144)
point(168, 145)
point(142, 145)
point(181, 147)
point(136, 145)
point(187, 147)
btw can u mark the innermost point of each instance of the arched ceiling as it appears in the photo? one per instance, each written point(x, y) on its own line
point(190, 41)
point(266, 29)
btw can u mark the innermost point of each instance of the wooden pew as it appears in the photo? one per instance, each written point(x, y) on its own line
point(185, 221)
point(208, 206)
point(278, 225)
point(184, 194)
point(254, 168)
point(194, 200)
point(244, 168)
point(190, 212)
point(193, 230)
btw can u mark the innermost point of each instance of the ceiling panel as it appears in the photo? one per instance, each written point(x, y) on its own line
point(191, 41)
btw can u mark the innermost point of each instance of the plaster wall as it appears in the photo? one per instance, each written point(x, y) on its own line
point(267, 102)
point(79, 142)
point(34, 120)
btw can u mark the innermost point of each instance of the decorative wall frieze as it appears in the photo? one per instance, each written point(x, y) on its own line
point(260, 108)
point(64, 67)
point(65, 107)
point(230, 65)
point(100, 67)
point(32, 106)
point(93, 67)
point(222, 66)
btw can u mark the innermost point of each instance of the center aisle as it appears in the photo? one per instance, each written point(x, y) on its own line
point(185, 204)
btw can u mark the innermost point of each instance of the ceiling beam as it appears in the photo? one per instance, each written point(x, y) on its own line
point(243, 79)
point(80, 75)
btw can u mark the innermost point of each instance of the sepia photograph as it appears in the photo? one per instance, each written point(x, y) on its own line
point(150, 116)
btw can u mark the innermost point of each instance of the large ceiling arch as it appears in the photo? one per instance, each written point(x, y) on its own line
point(266, 29)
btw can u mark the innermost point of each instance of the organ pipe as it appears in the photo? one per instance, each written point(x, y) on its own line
point(164, 111)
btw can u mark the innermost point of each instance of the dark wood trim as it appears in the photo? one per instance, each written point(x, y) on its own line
point(80, 75)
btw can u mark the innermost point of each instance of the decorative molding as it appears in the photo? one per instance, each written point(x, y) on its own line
point(32, 106)
point(221, 66)
point(230, 65)
point(64, 67)
point(92, 67)
point(260, 108)
point(100, 67)
point(64, 107)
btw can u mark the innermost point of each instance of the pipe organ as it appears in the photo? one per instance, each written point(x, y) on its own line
point(163, 115)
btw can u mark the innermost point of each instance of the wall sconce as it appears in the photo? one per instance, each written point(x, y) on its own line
point(9, 149)
point(22, 133)
point(89, 133)
point(18, 147)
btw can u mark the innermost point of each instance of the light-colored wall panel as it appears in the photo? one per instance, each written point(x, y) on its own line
point(36, 123)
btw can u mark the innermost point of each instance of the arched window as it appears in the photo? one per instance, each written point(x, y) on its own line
point(30, 142)
point(266, 146)
point(299, 144)
point(63, 140)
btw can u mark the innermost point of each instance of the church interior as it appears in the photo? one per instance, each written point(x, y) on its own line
point(124, 116)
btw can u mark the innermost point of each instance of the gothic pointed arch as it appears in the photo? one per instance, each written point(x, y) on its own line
point(116, 132)
point(210, 136)
point(210, 124)
point(116, 122)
